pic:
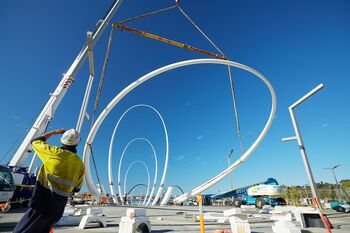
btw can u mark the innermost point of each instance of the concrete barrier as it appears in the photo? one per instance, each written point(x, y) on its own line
point(135, 220)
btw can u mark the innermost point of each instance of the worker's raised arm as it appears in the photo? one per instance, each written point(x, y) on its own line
point(53, 132)
point(41, 148)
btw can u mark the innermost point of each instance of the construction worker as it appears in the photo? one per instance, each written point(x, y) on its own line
point(61, 174)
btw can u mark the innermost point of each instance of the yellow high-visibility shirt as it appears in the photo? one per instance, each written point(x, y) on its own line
point(62, 171)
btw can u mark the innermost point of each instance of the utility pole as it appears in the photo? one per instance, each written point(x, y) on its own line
point(300, 141)
point(335, 178)
point(228, 157)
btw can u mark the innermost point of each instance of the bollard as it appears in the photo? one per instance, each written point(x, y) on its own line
point(201, 218)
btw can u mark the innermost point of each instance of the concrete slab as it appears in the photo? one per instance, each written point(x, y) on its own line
point(173, 220)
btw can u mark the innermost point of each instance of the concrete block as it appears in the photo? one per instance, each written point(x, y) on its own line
point(301, 210)
point(239, 226)
point(94, 211)
point(95, 215)
point(101, 220)
point(136, 212)
point(231, 212)
point(130, 225)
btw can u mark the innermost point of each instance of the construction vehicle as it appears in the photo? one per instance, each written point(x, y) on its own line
point(24, 185)
point(23, 177)
point(259, 194)
point(7, 187)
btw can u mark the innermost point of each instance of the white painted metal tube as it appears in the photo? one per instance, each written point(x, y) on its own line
point(299, 139)
point(110, 153)
point(124, 92)
point(148, 178)
point(89, 85)
point(307, 95)
point(167, 196)
point(82, 113)
point(224, 173)
point(31, 165)
point(52, 104)
point(121, 161)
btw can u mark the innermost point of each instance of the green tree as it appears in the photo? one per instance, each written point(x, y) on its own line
point(295, 195)
point(345, 183)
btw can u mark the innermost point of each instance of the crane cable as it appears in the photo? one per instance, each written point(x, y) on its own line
point(147, 14)
point(108, 51)
point(99, 89)
point(229, 71)
point(97, 99)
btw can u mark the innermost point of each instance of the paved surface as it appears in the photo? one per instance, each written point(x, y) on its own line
point(177, 219)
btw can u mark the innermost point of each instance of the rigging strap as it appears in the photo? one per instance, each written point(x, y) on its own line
point(166, 40)
point(97, 99)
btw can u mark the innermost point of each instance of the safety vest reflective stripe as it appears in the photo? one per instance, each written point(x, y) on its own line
point(58, 180)
point(55, 190)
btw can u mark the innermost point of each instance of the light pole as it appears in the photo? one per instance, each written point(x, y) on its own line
point(228, 157)
point(335, 178)
point(300, 141)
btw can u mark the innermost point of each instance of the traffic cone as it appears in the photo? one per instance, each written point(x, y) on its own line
point(51, 230)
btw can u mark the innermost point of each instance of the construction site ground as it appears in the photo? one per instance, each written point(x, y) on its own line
point(179, 219)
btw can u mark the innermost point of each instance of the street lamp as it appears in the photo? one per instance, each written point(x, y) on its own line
point(228, 157)
point(335, 178)
point(300, 141)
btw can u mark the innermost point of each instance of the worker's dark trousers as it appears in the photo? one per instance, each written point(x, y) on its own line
point(34, 222)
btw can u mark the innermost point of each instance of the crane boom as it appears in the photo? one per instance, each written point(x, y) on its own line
point(51, 106)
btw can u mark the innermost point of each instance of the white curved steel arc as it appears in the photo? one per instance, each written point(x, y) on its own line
point(110, 154)
point(148, 178)
point(121, 161)
point(251, 149)
point(152, 74)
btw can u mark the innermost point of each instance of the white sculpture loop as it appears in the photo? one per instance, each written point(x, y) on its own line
point(212, 181)
point(110, 155)
point(148, 178)
point(121, 162)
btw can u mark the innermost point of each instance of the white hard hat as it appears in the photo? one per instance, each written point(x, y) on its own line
point(70, 138)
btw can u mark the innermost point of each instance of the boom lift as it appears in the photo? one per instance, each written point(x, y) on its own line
point(258, 194)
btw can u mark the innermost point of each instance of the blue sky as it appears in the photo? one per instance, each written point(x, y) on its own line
point(295, 44)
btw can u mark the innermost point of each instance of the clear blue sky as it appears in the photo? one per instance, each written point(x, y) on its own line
point(295, 44)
